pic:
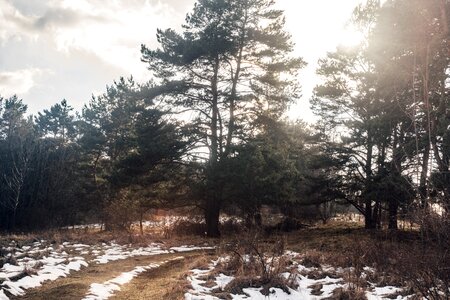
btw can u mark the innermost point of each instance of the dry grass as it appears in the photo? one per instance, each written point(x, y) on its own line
point(200, 263)
point(348, 294)
point(400, 259)
point(94, 237)
point(168, 282)
point(255, 262)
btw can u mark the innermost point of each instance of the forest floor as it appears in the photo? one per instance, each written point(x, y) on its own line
point(339, 260)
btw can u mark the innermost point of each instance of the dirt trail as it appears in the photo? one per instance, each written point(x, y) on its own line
point(77, 284)
point(165, 283)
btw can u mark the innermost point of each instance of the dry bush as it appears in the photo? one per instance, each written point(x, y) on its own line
point(184, 227)
point(286, 225)
point(179, 288)
point(435, 228)
point(121, 212)
point(195, 226)
point(422, 268)
point(231, 226)
point(200, 263)
point(426, 265)
point(256, 263)
point(312, 259)
point(428, 274)
point(348, 294)
point(239, 283)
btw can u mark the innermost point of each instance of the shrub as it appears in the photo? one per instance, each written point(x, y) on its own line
point(121, 212)
point(256, 263)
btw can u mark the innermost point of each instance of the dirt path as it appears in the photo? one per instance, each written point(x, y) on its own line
point(165, 283)
point(76, 286)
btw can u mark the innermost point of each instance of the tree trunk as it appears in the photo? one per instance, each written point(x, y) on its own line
point(393, 208)
point(214, 147)
point(212, 213)
point(376, 215)
point(396, 168)
point(368, 220)
point(423, 187)
point(13, 220)
point(141, 226)
point(213, 204)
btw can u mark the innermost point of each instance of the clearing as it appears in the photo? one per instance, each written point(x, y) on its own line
point(333, 261)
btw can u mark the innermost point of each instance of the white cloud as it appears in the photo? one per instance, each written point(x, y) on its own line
point(92, 42)
point(19, 82)
point(13, 24)
point(111, 30)
point(116, 40)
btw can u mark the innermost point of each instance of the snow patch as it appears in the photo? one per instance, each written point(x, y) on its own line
point(3, 296)
point(190, 248)
point(303, 291)
point(52, 269)
point(118, 252)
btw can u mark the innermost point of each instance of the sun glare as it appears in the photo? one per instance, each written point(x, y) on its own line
point(350, 37)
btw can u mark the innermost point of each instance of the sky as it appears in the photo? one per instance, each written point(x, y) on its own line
point(71, 49)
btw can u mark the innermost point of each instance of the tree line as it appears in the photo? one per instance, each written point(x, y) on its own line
point(208, 130)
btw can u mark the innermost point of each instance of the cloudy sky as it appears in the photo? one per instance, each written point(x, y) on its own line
point(55, 49)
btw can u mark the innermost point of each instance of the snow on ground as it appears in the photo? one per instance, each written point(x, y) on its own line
point(95, 226)
point(304, 290)
point(383, 293)
point(101, 291)
point(114, 252)
point(29, 266)
point(190, 248)
point(52, 269)
point(3, 296)
point(159, 223)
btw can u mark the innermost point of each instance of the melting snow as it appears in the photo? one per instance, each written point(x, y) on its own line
point(117, 252)
point(304, 290)
point(382, 292)
point(3, 296)
point(190, 248)
point(52, 269)
point(41, 261)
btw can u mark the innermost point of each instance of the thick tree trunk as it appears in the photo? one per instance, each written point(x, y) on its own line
point(368, 220)
point(212, 213)
point(393, 208)
point(213, 204)
point(376, 215)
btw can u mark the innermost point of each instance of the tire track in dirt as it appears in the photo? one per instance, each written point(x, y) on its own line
point(76, 286)
point(166, 283)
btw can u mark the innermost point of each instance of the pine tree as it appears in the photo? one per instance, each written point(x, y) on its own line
point(230, 66)
point(57, 121)
point(413, 37)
